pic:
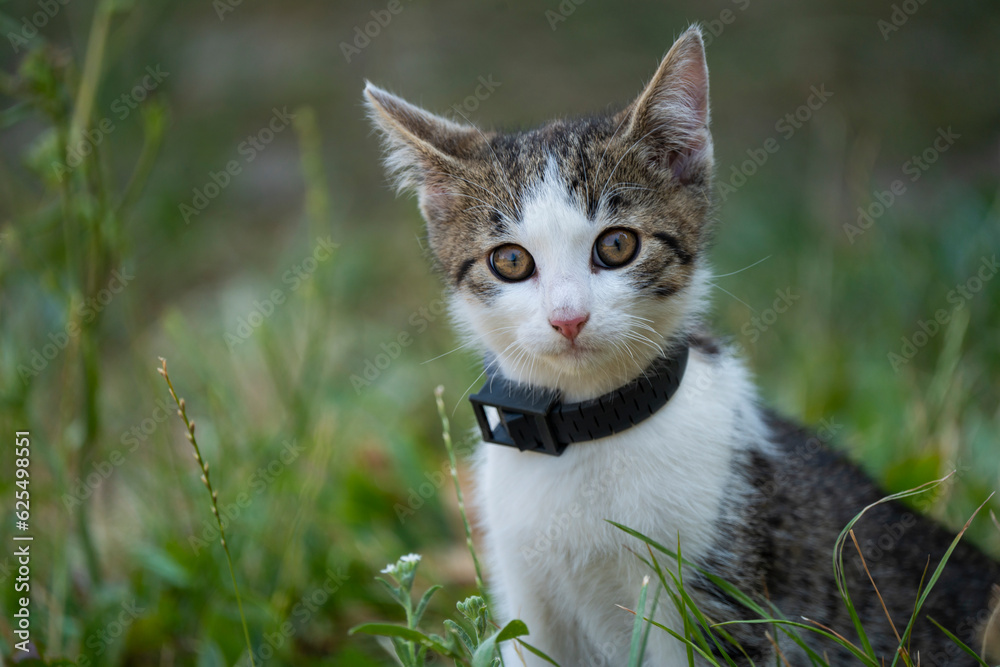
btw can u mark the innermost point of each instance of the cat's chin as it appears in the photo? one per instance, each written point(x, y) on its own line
point(580, 371)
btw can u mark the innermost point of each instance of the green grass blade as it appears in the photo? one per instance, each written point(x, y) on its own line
point(453, 470)
point(635, 648)
point(685, 616)
point(207, 481)
point(960, 643)
point(858, 653)
point(934, 577)
point(537, 652)
point(704, 654)
point(648, 540)
point(703, 627)
point(652, 612)
point(838, 559)
point(793, 634)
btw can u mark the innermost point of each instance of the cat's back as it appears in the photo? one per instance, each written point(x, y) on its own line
point(799, 494)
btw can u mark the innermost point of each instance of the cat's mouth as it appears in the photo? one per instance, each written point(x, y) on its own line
point(576, 352)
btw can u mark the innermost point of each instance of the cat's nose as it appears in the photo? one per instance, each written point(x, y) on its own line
point(570, 328)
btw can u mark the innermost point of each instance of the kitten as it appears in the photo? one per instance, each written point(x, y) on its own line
point(576, 255)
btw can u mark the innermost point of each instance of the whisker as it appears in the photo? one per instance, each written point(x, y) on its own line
point(471, 342)
point(639, 338)
point(486, 367)
point(485, 203)
point(496, 159)
point(621, 188)
point(726, 275)
point(634, 144)
point(734, 296)
point(636, 317)
point(507, 211)
point(597, 172)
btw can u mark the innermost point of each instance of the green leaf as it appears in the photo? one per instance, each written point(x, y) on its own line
point(512, 630)
point(474, 609)
point(15, 114)
point(210, 655)
point(163, 565)
point(394, 591)
point(463, 636)
point(402, 648)
point(486, 653)
point(424, 601)
point(403, 632)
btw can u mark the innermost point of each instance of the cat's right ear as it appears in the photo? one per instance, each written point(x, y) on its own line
point(423, 152)
point(669, 120)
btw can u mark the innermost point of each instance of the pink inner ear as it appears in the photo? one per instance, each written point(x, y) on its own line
point(436, 197)
point(682, 162)
point(676, 112)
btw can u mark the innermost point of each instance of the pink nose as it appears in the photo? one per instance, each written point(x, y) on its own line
point(570, 328)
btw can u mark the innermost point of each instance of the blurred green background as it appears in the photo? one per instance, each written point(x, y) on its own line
point(327, 457)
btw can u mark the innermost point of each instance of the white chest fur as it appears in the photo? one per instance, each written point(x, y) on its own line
point(554, 560)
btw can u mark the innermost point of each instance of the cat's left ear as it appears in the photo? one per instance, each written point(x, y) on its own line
point(424, 152)
point(669, 119)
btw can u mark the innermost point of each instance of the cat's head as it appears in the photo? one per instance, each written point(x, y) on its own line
point(574, 252)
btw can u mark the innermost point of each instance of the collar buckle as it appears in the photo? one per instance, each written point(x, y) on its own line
point(524, 417)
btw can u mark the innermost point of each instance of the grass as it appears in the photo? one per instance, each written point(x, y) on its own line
point(469, 641)
point(206, 479)
point(319, 484)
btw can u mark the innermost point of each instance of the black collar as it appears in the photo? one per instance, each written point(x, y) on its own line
point(535, 420)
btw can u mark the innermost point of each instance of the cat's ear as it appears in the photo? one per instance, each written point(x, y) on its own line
point(669, 119)
point(424, 152)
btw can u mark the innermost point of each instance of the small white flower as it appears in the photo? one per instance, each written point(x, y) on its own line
point(389, 569)
point(410, 558)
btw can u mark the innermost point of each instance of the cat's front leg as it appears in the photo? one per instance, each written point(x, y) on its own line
point(550, 631)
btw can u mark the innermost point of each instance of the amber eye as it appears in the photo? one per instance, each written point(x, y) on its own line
point(615, 247)
point(512, 262)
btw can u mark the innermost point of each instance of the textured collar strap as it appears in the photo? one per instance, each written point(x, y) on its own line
point(535, 420)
